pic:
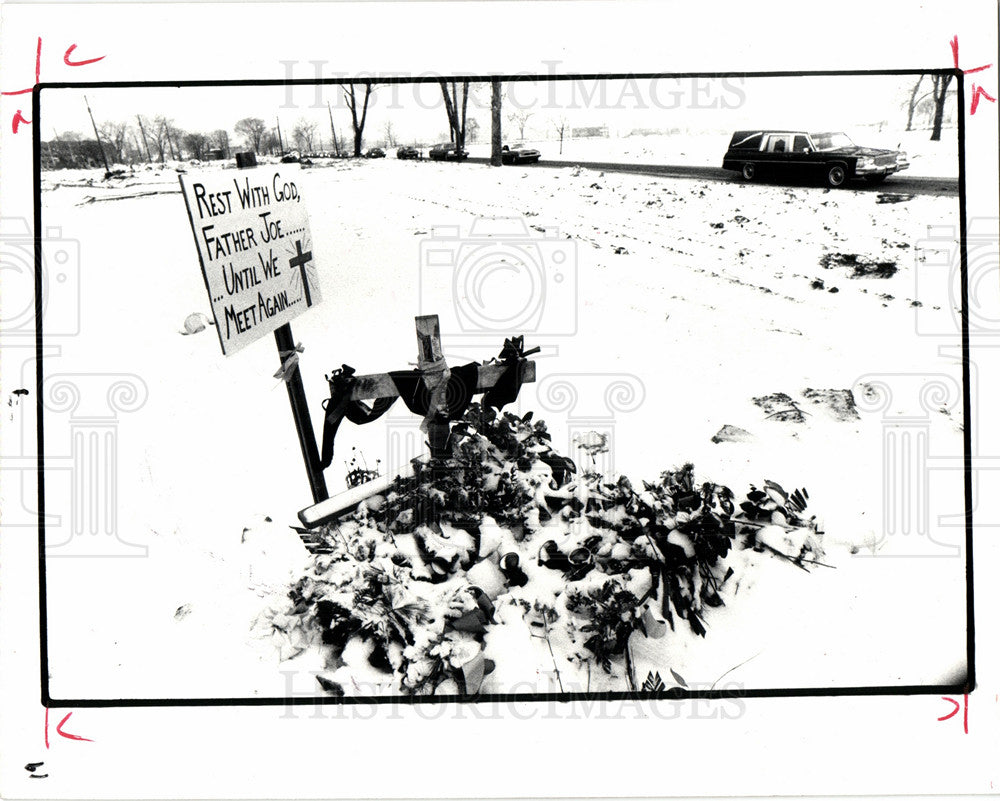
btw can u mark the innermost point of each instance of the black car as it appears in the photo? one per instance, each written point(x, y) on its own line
point(407, 153)
point(832, 157)
point(375, 153)
point(519, 154)
point(447, 151)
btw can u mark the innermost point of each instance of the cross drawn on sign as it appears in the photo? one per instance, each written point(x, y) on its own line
point(439, 393)
point(300, 260)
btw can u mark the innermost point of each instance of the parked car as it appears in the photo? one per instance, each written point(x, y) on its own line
point(519, 154)
point(833, 157)
point(407, 153)
point(447, 151)
point(375, 153)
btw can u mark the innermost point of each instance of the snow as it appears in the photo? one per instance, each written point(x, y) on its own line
point(708, 305)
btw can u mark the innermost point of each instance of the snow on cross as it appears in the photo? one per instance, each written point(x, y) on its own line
point(434, 390)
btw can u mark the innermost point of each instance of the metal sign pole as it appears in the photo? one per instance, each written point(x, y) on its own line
point(300, 408)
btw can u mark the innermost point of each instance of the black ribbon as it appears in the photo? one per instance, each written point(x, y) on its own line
point(461, 389)
point(509, 384)
point(339, 405)
point(458, 395)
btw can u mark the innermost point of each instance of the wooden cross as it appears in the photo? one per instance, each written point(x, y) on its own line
point(434, 373)
point(300, 260)
point(430, 361)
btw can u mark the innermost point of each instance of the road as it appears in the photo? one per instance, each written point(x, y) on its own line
point(916, 185)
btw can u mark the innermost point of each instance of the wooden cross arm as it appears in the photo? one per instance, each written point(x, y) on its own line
point(380, 385)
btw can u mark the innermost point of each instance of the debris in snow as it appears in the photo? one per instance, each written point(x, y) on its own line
point(780, 407)
point(889, 197)
point(839, 403)
point(861, 266)
point(195, 323)
point(730, 433)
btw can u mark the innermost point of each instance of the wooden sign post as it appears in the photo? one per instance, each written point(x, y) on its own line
point(252, 235)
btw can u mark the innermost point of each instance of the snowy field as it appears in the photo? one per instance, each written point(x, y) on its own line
point(681, 302)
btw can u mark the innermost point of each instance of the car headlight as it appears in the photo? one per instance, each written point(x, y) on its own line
point(865, 161)
point(901, 156)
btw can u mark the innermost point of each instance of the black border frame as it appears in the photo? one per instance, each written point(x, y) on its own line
point(962, 687)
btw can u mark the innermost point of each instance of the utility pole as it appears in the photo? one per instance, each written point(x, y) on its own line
point(104, 155)
point(142, 130)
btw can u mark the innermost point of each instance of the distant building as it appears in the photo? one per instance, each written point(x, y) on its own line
point(215, 155)
point(591, 132)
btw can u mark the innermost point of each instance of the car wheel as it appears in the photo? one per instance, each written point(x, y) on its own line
point(749, 171)
point(836, 176)
point(875, 180)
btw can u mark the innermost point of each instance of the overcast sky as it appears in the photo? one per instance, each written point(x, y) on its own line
point(416, 111)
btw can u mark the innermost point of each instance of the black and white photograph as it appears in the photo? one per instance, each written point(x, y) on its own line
point(597, 385)
point(375, 370)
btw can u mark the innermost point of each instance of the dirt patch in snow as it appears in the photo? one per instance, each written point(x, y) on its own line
point(839, 403)
point(859, 266)
point(779, 406)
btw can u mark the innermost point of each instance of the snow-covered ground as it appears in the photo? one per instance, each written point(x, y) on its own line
point(679, 303)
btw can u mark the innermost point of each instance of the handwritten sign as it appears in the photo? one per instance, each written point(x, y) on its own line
point(253, 240)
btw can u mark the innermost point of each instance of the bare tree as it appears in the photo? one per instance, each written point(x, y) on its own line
point(177, 137)
point(357, 121)
point(456, 113)
point(939, 84)
point(167, 137)
point(197, 144)
point(113, 138)
point(912, 105)
point(269, 142)
point(220, 140)
point(303, 134)
point(496, 113)
point(390, 136)
point(252, 129)
point(560, 124)
point(520, 118)
point(159, 132)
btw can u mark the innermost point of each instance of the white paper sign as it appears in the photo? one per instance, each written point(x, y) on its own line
point(253, 240)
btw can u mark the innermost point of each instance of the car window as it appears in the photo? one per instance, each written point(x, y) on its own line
point(831, 141)
point(778, 143)
point(752, 142)
point(801, 144)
